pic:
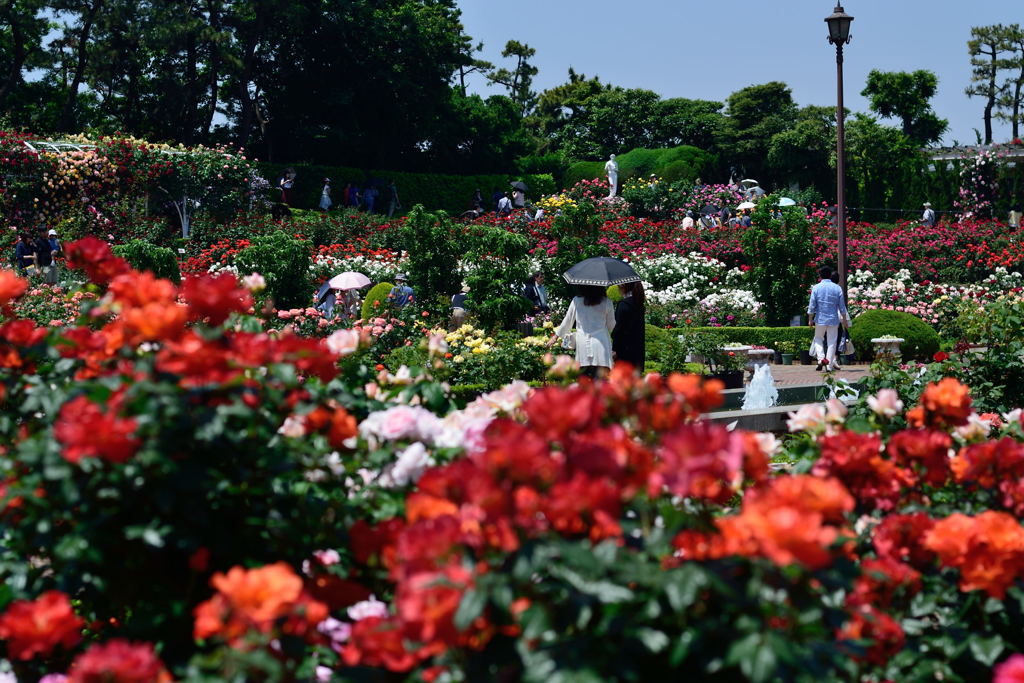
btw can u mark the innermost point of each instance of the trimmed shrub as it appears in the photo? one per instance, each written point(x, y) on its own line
point(670, 164)
point(434, 252)
point(376, 301)
point(921, 341)
point(283, 261)
point(143, 255)
point(502, 264)
point(453, 193)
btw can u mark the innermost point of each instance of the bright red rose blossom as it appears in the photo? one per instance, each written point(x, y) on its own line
point(86, 432)
point(36, 627)
point(118, 661)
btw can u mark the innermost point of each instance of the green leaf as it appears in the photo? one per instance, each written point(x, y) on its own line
point(653, 640)
point(471, 607)
point(986, 650)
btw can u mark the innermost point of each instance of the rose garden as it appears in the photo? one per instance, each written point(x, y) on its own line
point(203, 477)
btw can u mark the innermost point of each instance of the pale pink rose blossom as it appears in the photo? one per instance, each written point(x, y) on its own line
point(343, 342)
point(367, 608)
point(886, 403)
point(809, 418)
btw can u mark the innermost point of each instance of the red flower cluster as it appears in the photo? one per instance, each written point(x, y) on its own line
point(886, 635)
point(37, 627)
point(87, 432)
point(994, 465)
point(118, 661)
point(214, 298)
point(988, 549)
point(793, 519)
point(856, 460)
point(565, 471)
point(262, 599)
point(901, 538)
point(943, 405)
point(11, 287)
point(95, 257)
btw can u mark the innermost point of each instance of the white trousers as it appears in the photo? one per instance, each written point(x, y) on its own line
point(824, 345)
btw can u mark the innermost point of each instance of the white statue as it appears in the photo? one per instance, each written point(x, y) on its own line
point(612, 169)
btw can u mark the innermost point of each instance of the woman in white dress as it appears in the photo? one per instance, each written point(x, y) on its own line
point(325, 196)
point(593, 316)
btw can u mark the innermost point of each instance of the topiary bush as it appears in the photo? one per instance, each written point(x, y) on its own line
point(921, 341)
point(284, 262)
point(143, 255)
point(670, 164)
point(376, 302)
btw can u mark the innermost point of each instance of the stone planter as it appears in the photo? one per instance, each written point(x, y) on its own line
point(759, 357)
point(887, 347)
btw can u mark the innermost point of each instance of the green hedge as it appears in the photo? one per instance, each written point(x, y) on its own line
point(782, 339)
point(671, 164)
point(453, 193)
point(921, 341)
point(142, 255)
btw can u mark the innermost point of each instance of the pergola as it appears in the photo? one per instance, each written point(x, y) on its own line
point(181, 206)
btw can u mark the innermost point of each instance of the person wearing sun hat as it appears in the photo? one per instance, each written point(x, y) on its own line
point(401, 294)
point(928, 217)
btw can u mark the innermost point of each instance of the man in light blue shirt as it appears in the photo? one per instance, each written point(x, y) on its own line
point(827, 310)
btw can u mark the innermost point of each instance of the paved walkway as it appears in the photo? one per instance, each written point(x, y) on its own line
point(789, 375)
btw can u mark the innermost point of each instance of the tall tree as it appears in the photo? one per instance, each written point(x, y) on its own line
point(78, 37)
point(986, 47)
point(905, 95)
point(470, 64)
point(1008, 106)
point(804, 152)
point(519, 79)
point(755, 114)
point(22, 28)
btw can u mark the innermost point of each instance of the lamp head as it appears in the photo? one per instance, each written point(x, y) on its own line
point(839, 26)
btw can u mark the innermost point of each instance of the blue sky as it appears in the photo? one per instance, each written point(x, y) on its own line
point(706, 49)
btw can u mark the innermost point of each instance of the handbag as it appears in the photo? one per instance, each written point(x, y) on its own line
point(846, 344)
point(569, 341)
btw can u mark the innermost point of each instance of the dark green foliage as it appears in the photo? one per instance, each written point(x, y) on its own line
point(577, 232)
point(434, 252)
point(921, 341)
point(672, 164)
point(453, 193)
point(142, 255)
point(780, 254)
point(501, 265)
point(906, 96)
point(283, 261)
point(376, 301)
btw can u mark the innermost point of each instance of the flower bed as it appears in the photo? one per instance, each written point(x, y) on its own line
point(204, 498)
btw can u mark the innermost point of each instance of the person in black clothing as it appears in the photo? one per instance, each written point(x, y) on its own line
point(44, 257)
point(628, 335)
point(534, 291)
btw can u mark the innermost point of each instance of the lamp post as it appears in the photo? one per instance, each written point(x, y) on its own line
point(839, 35)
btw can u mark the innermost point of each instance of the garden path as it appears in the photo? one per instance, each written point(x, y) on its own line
point(789, 375)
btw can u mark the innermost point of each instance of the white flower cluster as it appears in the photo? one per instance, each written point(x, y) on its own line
point(732, 299)
point(377, 268)
point(694, 271)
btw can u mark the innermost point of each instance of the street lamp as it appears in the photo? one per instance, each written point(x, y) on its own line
point(839, 35)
